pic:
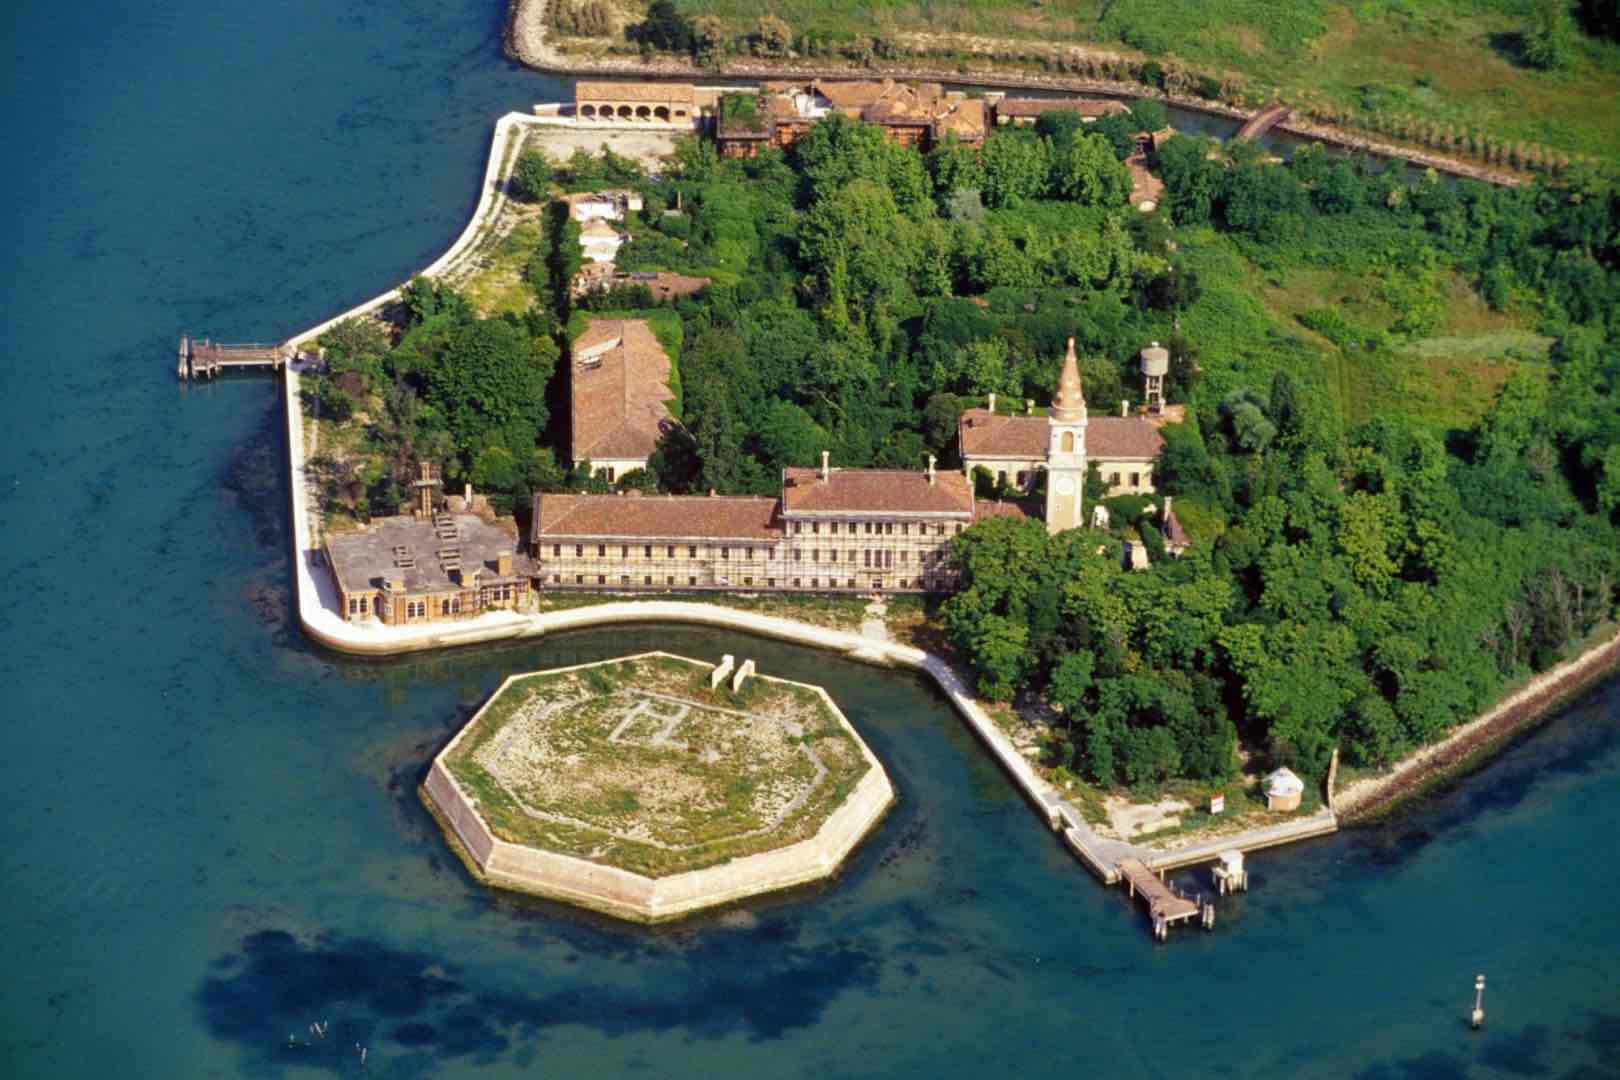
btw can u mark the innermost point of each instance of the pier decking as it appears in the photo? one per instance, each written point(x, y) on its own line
point(1166, 907)
point(204, 359)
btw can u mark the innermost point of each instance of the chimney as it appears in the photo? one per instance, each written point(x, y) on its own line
point(1124, 408)
point(503, 563)
point(992, 403)
point(931, 470)
point(826, 468)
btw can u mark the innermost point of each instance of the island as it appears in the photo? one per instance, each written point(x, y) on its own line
point(1225, 495)
point(652, 787)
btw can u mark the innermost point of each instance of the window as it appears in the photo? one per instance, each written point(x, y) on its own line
point(601, 551)
point(556, 551)
point(851, 554)
point(770, 583)
point(444, 607)
point(624, 579)
point(691, 581)
point(750, 552)
point(905, 556)
point(579, 579)
point(670, 580)
point(691, 551)
point(669, 553)
point(815, 527)
point(798, 582)
point(354, 605)
point(798, 527)
point(815, 583)
point(888, 528)
point(647, 580)
point(833, 528)
point(939, 530)
point(601, 579)
point(1136, 479)
point(852, 583)
point(815, 555)
point(867, 556)
point(905, 530)
point(958, 528)
point(868, 528)
point(646, 552)
point(1113, 479)
point(579, 551)
point(748, 581)
point(1068, 442)
point(624, 551)
point(556, 579)
point(725, 553)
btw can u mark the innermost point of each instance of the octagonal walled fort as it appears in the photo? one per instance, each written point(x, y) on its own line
point(653, 786)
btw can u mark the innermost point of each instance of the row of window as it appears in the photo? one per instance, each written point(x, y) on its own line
point(871, 528)
point(450, 605)
point(650, 551)
point(770, 583)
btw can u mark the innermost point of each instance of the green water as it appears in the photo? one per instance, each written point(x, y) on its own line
point(213, 839)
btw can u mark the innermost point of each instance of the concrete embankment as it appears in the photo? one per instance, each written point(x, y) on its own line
point(636, 897)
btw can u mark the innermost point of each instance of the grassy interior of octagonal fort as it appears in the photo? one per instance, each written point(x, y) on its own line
point(638, 764)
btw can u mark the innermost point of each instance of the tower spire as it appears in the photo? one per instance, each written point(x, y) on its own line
point(1069, 404)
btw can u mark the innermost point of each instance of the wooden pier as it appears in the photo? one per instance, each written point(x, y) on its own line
point(204, 359)
point(1166, 907)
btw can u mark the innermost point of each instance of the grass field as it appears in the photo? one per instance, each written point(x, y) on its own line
point(1454, 62)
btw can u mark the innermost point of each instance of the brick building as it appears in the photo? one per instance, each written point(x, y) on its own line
point(832, 530)
point(428, 566)
point(920, 114)
point(664, 102)
point(1014, 448)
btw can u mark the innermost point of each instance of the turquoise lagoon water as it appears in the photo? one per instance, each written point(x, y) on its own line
point(213, 840)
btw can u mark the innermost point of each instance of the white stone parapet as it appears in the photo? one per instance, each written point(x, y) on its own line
point(721, 670)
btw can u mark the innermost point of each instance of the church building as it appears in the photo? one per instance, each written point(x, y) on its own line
point(1067, 441)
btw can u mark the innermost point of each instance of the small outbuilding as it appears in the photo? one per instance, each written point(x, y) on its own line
point(1283, 790)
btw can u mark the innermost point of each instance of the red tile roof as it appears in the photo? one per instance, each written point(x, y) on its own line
point(618, 397)
point(875, 491)
point(674, 517)
point(1108, 438)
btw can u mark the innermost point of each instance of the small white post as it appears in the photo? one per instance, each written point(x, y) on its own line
point(741, 677)
point(1478, 1016)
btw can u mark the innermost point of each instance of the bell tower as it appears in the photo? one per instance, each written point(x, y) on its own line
point(1066, 449)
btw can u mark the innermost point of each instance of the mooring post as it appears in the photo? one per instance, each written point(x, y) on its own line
point(1478, 1016)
